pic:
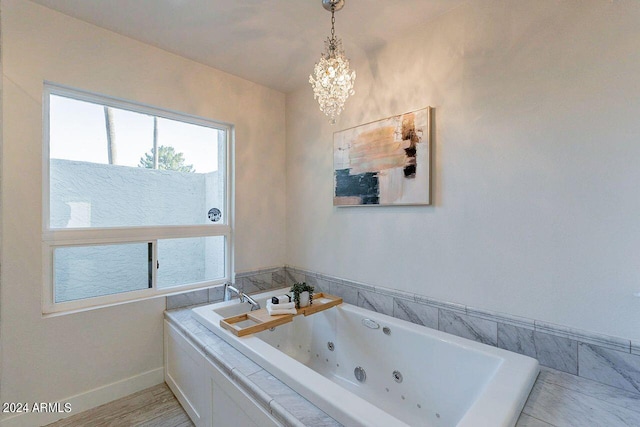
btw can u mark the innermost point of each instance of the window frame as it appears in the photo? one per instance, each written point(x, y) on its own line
point(69, 237)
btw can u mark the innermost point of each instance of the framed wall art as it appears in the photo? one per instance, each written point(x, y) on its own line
point(384, 163)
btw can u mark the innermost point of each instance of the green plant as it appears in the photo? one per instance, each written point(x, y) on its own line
point(168, 160)
point(298, 288)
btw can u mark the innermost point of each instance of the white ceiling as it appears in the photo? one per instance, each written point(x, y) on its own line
point(271, 42)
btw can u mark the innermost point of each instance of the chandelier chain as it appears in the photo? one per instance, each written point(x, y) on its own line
point(333, 21)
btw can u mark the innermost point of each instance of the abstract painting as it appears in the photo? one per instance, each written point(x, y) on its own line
point(386, 162)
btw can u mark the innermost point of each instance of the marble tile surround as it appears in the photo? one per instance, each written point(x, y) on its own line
point(558, 399)
point(552, 351)
point(609, 366)
point(609, 360)
point(249, 282)
point(473, 328)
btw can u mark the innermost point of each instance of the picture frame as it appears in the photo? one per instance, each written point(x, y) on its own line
point(384, 163)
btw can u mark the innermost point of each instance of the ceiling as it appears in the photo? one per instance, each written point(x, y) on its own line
point(271, 42)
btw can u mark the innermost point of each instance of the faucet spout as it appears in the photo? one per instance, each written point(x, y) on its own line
point(229, 290)
point(255, 305)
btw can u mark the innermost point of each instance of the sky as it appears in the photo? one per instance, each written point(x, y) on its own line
point(78, 132)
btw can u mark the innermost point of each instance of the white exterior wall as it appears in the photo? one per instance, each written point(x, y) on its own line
point(535, 165)
point(121, 196)
point(99, 355)
point(87, 194)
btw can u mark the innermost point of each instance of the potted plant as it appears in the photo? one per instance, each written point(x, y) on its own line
point(302, 294)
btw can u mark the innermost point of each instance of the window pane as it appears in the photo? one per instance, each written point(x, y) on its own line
point(192, 260)
point(104, 171)
point(93, 271)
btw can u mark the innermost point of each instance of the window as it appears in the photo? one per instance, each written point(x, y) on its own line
point(136, 201)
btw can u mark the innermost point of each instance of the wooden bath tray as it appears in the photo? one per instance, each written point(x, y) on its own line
point(261, 321)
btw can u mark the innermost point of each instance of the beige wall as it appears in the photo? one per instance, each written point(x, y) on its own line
point(49, 359)
point(535, 182)
point(535, 164)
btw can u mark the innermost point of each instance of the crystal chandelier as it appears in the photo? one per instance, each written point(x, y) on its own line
point(332, 80)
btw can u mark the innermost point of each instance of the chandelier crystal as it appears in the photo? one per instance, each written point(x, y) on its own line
point(332, 79)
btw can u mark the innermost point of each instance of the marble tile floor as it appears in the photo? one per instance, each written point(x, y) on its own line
point(559, 399)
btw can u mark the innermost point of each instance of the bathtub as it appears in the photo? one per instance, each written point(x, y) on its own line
point(368, 369)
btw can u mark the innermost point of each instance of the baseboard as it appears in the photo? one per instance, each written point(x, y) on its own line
point(89, 399)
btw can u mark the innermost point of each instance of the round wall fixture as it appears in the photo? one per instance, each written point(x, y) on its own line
point(214, 214)
point(360, 374)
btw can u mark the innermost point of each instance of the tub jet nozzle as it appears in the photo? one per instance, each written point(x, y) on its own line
point(360, 374)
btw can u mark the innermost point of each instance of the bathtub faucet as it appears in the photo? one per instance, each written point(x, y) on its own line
point(229, 290)
point(255, 305)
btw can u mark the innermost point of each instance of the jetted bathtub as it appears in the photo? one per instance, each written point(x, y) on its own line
point(369, 369)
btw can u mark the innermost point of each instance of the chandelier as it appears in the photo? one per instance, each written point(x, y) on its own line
point(332, 80)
